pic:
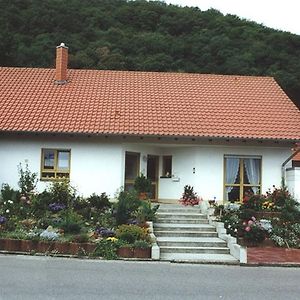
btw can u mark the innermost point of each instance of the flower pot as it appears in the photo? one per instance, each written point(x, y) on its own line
point(125, 252)
point(142, 252)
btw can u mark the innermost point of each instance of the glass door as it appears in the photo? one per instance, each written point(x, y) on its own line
point(132, 169)
point(152, 173)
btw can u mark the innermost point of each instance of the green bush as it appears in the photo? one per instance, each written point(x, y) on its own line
point(146, 212)
point(142, 184)
point(107, 249)
point(246, 213)
point(126, 206)
point(71, 222)
point(141, 244)
point(8, 193)
point(131, 233)
point(27, 180)
point(62, 192)
point(100, 202)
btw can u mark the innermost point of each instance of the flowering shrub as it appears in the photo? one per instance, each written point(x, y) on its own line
point(55, 207)
point(288, 235)
point(278, 196)
point(231, 223)
point(253, 231)
point(189, 197)
point(252, 201)
point(49, 234)
point(105, 232)
point(2, 220)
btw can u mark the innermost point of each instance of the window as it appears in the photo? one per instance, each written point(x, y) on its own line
point(132, 169)
point(242, 175)
point(55, 164)
point(167, 166)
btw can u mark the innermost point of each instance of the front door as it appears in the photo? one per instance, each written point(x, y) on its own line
point(152, 173)
point(132, 169)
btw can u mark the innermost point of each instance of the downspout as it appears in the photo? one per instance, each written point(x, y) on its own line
point(284, 164)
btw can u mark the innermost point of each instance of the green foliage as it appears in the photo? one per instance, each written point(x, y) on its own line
point(231, 222)
point(131, 233)
point(62, 192)
point(27, 180)
point(141, 244)
point(148, 36)
point(127, 204)
point(8, 193)
point(253, 232)
point(288, 235)
point(71, 222)
point(100, 202)
point(146, 212)
point(107, 249)
point(254, 202)
point(142, 184)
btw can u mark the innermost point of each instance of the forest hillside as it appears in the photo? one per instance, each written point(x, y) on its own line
point(148, 36)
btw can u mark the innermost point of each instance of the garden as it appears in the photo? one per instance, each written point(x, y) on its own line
point(272, 219)
point(58, 221)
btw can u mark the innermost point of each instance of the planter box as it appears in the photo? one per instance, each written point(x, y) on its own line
point(125, 252)
point(267, 214)
point(13, 245)
point(26, 246)
point(43, 247)
point(74, 248)
point(63, 248)
point(89, 247)
point(266, 243)
point(142, 253)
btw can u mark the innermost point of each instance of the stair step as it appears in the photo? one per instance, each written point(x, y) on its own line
point(199, 257)
point(190, 242)
point(184, 227)
point(181, 215)
point(182, 221)
point(210, 250)
point(170, 233)
point(180, 210)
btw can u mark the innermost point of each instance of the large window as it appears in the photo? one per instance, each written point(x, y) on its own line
point(55, 164)
point(242, 176)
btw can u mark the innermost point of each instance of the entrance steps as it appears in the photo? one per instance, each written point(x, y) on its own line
point(184, 234)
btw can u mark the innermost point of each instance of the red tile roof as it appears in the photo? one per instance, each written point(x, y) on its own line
point(146, 103)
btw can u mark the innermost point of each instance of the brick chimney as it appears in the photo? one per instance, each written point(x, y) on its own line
point(61, 64)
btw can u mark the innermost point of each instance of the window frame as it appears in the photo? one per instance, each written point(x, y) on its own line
point(55, 169)
point(164, 157)
point(241, 185)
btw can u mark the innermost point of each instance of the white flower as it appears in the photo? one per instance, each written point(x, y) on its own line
point(92, 218)
point(7, 211)
point(10, 201)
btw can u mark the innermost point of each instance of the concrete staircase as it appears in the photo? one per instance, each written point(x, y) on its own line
point(184, 234)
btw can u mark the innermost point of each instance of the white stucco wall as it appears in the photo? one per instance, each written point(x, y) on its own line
point(208, 162)
point(293, 182)
point(97, 165)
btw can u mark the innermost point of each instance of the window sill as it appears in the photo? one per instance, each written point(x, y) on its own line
point(166, 177)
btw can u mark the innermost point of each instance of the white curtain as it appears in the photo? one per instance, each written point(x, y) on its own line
point(232, 169)
point(252, 166)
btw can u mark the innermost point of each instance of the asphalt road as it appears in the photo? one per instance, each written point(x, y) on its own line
point(30, 277)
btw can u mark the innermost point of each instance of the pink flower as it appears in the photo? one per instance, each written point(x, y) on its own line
point(244, 223)
point(253, 219)
point(250, 222)
point(247, 228)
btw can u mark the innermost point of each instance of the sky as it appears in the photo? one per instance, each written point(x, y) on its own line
point(278, 14)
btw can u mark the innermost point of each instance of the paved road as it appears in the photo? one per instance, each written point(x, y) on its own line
point(29, 277)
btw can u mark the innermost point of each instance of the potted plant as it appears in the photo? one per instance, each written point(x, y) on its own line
point(143, 186)
point(189, 197)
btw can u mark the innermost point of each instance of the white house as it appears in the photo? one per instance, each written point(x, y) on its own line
point(224, 135)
